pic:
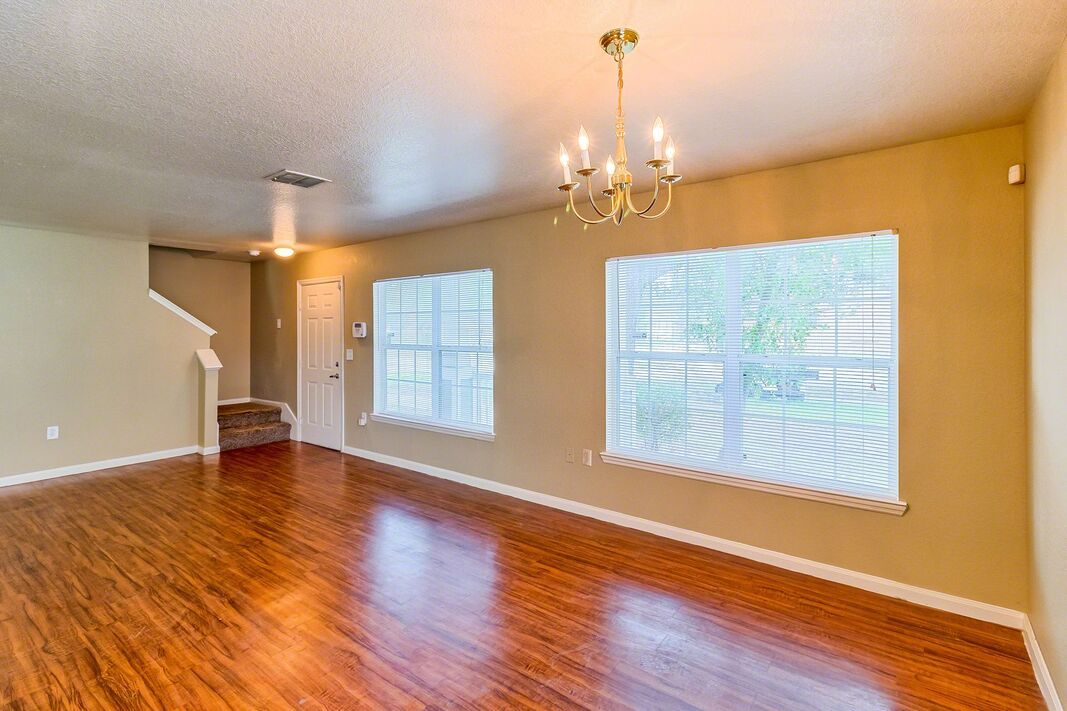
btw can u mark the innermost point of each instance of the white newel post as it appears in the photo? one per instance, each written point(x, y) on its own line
point(207, 422)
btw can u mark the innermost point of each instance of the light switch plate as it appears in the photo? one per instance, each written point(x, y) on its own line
point(348, 354)
point(52, 432)
point(587, 457)
point(279, 323)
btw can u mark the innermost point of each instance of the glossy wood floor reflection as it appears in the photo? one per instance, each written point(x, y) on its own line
point(288, 576)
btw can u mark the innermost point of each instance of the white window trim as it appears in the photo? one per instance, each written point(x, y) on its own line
point(391, 419)
point(868, 503)
point(756, 245)
point(439, 426)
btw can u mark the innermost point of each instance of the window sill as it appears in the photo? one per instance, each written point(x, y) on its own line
point(433, 427)
point(889, 506)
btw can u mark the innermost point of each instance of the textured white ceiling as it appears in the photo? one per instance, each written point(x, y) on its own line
point(159, 119)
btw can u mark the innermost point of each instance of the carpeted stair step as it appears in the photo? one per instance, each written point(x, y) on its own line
point(251, 435)
point(247, 413)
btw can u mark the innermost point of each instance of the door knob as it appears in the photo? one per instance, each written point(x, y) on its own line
point(335, 375)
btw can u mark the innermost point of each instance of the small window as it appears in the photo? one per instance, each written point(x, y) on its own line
point(433, 347)
point(775, 363)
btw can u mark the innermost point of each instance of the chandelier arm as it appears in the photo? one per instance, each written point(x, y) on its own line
point(662, 212)
point(655, 196)
point(570, 196)
point(589, 185)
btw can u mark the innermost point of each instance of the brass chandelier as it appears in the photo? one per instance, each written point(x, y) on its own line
point(618, 43)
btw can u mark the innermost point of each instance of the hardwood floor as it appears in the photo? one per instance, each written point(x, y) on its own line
point(289, 576)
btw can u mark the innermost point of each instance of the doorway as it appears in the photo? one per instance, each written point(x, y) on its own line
point(320, 376)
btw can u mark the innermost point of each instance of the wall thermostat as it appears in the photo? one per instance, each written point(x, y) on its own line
point(359, 329)
point(1017, 174)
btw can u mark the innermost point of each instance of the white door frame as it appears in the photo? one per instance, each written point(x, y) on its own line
point(300, 350)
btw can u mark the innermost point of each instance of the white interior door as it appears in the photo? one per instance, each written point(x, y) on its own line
point(321, 399)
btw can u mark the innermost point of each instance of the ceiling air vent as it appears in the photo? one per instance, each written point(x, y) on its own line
point(291, 177)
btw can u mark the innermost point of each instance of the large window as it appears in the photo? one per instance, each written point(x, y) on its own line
point(774, 364)
point(433, 348)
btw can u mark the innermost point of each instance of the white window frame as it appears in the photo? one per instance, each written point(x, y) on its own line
point(645, 461)
point(434, 424)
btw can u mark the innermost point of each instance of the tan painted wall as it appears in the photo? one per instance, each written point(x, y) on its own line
point(1046, 214)
point(216, 292)
point(962, 354)
point(83, 347)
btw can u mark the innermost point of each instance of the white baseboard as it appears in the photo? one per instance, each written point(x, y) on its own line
point(287, 416)
point(920, 596)
point(205, 451)
point(15, 479)
point(1041, 670)
point(235, 401)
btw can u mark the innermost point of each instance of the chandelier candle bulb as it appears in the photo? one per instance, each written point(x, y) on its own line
point(670, 155)
point(657, 139)
point(564, 160)
point(610, 170)
point(583, 146)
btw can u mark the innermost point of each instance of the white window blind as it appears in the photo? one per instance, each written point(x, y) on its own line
point(434, 349)
point(775, 363)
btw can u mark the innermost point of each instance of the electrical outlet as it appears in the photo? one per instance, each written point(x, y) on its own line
point(52, 432)
point(587, 457)
point(569, 456)
point(362, 419)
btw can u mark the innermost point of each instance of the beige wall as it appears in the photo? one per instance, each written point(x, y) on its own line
point(217, 293)
point(1046, 211)
point(962, 356)
point(83, 347)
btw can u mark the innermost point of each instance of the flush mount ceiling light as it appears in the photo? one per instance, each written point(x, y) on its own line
point(253, 252)
point(284, 251)
point(617, 43)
